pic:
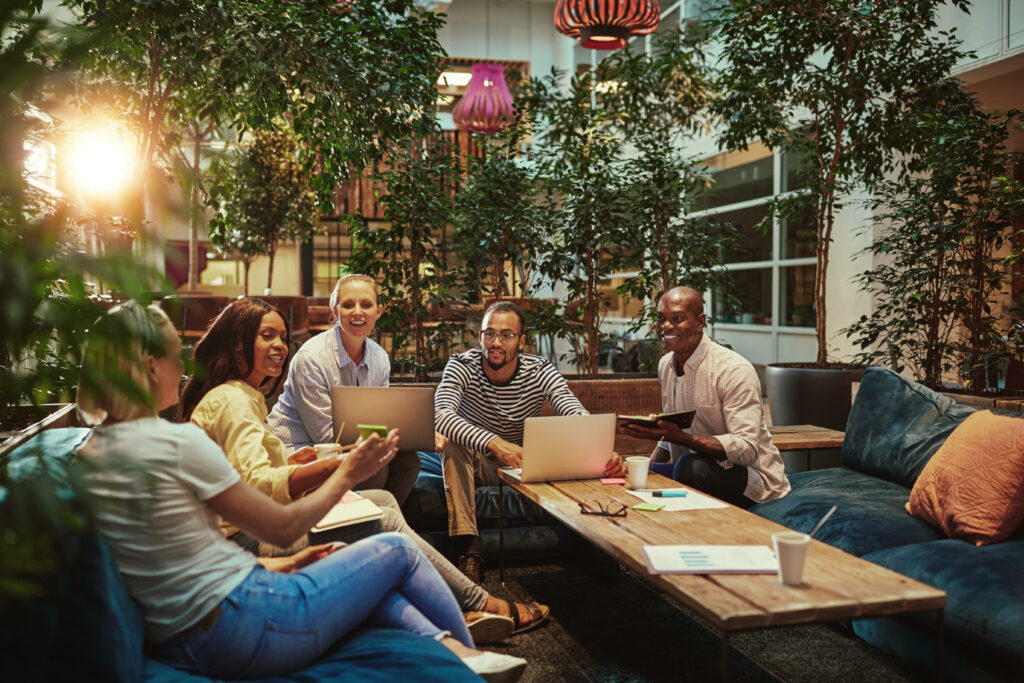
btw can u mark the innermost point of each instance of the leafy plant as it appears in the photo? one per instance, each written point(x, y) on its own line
point(261, 196)
point(839, 84)
point(500, 217)
point(408, 257)
point(950, 238)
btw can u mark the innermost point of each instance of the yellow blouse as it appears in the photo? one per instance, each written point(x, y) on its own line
point(235, 416)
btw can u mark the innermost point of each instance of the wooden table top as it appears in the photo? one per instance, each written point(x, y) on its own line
point(805, 437)
point(836, 585)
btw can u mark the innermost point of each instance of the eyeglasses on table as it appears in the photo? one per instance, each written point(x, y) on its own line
point(612, 508)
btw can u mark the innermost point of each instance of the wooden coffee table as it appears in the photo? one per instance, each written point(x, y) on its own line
point(836, 585)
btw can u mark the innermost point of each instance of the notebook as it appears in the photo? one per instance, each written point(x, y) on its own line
point(352, 509)
point(411, 409)
point(566, 447)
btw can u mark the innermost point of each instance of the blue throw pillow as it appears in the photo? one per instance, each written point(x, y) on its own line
point(896, 425)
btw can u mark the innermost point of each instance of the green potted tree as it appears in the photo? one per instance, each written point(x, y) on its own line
point(839, 86)
point(949, 239)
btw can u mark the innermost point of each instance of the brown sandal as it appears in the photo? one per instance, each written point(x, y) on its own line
point(538, 615)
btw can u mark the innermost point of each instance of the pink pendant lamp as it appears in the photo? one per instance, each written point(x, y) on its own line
point(487, 104)
point(606, 24)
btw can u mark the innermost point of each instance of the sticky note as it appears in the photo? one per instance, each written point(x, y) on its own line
point(613, 480)
point(649, 507)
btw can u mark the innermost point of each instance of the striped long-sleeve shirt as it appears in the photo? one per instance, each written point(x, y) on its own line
point(470, 410)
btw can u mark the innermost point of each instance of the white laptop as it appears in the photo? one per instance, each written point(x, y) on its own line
point(411, 409)
point(569, 447)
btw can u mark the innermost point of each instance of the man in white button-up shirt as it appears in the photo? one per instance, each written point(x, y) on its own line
point(728, 451)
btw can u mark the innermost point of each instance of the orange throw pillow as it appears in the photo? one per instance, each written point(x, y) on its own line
point(973, 487)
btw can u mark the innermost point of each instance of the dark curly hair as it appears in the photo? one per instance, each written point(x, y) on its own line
point(216, 356)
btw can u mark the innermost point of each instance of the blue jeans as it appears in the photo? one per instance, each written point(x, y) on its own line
point(273, 624)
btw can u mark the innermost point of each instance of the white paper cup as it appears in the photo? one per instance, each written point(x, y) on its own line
point(327, 450)
point(637, 467)
point(791, 549)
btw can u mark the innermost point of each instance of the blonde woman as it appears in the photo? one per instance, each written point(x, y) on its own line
point(208, 604)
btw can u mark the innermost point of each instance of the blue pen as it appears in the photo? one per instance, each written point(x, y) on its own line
point(674, 493)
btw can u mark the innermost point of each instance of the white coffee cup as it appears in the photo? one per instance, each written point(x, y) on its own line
point(791, 549)
point(327, 450)
point(637, 466)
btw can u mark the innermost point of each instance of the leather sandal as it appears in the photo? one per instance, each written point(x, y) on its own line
point(489, 628)
point(538, 615)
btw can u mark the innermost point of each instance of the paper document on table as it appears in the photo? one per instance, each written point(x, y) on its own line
point(694, 500)
point(710, 559)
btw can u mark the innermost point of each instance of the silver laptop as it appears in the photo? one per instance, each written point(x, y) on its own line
point(411, 409)
point(570, 447)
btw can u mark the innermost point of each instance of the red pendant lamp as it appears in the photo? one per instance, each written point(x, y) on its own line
point(606, 24)
point(487, 104)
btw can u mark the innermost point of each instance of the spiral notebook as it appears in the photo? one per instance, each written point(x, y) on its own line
point(352, 509)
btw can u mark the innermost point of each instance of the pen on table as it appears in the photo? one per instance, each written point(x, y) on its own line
point(664, 493)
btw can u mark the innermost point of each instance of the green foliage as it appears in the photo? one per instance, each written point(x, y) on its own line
point(579, 158)
point(948, 240)
point(348, 76)
point(261, 195)
point(408, 257)
point(500, 217)
point(839, 84)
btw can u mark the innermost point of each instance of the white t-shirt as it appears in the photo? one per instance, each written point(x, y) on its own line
point(151, 478)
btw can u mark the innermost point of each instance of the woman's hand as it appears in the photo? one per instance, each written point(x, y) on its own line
point(440, 441)
point(615, 467)
point(302, 456)
point(363, 461)
point(306, 556)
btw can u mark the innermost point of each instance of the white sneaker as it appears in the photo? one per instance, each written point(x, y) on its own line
point(496, 668)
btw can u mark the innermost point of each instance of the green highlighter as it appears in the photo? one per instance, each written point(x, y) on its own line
point(366, 430)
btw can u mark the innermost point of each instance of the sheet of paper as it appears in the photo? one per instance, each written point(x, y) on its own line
point(694, 500)
point(710, 559)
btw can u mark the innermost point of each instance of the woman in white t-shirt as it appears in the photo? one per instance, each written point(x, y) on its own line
point(210, 607)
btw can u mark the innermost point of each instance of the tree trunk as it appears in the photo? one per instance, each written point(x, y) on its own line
point(246, 262)
point(193, 227)
point(271, 253)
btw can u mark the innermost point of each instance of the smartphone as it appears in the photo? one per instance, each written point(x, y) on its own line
point(366, 430)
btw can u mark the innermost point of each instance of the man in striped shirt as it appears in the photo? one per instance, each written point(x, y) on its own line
point(481, 405)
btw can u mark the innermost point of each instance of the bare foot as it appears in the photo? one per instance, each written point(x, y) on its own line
point(496, 606)
point(458, 649)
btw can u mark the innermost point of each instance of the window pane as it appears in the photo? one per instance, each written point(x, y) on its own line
point(792, 179)
point(754, 244)
point(750, 302)
point(798, 235)
point(740, 183)
point(796, 296)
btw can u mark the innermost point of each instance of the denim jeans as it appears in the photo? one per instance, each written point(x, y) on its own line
point(273, 624)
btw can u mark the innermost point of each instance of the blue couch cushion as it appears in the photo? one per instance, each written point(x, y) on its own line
point(81, 624)
point(869, 511)
point(371, 655)
point(896, 425)
point(426, 509)
point(985, 599)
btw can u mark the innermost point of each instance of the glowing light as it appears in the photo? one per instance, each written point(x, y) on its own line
point(100, 162)
point(454, 79)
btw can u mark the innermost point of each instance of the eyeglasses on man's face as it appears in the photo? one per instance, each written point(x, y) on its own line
point(612, 508)
point(506, 336)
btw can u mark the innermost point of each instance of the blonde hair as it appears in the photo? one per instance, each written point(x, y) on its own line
point(336, 293)
point(114, 383)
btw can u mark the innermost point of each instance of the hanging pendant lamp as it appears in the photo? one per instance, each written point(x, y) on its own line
point(487, 104)
point(606, 24)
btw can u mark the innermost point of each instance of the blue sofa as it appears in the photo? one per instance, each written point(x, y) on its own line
point(895, 426)
point(85, 627)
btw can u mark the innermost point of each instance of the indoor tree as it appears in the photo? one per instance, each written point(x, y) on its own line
point(260, 196)
point(579, 159)
point(946, 246)
point(408, 257)
point(839, 85)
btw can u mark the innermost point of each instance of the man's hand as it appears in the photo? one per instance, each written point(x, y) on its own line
point(615, 467)
point(667, 431)
point(306, 556)
point(505, 452)
point(440, 441)
point(302, 456)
